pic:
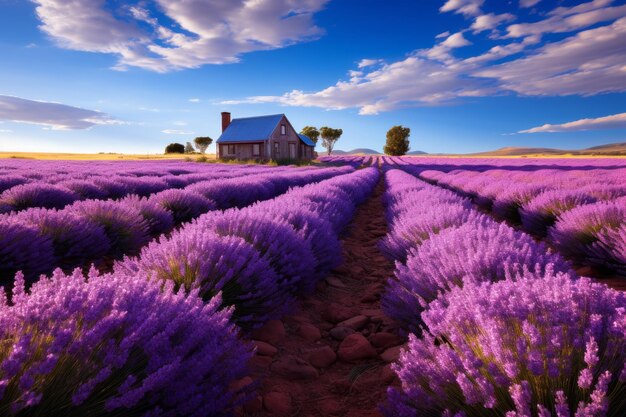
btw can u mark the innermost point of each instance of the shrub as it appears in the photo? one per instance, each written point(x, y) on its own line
point(486, 252)
point(539, 345)
point(175, 148)
point(116, 345)
point(158, 219)
point(37, 194)
point(183, 204)
point(76, 240)
point(123, 224)
point(278, 242)
point(23, 248)
point(541, 212)
point(201, 259)
point(85, 189)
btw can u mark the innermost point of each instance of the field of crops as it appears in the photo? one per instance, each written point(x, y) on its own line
point(366, 286)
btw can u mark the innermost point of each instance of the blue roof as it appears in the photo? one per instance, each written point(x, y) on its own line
point(250, 129)
point(306, 140)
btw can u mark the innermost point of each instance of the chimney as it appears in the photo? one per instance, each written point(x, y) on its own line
point(225, 120)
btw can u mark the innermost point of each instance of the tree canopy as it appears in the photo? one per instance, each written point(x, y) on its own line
point(175, 148)
point(202, 143)
point(397, 141)
point(329, 137)
point(189, 148)
point(311, 132)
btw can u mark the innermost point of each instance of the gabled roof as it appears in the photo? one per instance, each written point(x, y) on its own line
point(250, 129)
point(306, 140)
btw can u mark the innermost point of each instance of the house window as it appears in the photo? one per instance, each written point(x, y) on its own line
point(230, 149)
point(256, 149)
point(276, 149)
point(283, 129)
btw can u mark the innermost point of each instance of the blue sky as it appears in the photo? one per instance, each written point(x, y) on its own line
point(464, 75)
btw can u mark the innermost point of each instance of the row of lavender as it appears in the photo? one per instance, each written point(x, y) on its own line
point(38, 240)
point(157, 336)
point(58, 185)
point(499, 324)
point(582, 213)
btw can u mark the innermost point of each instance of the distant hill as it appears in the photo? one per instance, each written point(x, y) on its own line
point(417, 153)
point(611, 149)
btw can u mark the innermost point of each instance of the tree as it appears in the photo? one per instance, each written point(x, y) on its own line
point(189, 148)
point(202, 143)
point(311, 132)
point(175, 148)
point(397, 141)
point(329, 137)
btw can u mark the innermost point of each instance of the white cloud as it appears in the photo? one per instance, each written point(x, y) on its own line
point(528, 3)
point(464, 7)
point(6, 131)
point(369, 62)
point(615, 121)
point(198, 32)
point(588, 62)
point(55, 116)
point(194, 100)
point(180, 123)
point(490, 21)
point(443, 35)
point(177, 132)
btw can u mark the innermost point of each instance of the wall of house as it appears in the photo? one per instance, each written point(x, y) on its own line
point(278, 145)
point(242, 151)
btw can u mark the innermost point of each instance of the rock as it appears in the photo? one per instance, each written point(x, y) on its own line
point(364, 413)
point(293, 367)
point(309, 332)
point(335, 313)
point(370, 298)
point(277, 403)
point(335, 282)
point(356, 347)
point(239, 384)
point(322, 357)
point(340, 333)
point(329, 407)
point(392, 354)
point(384, 340)
point(265, 349)
point(354, 323)
point(273, 332)
point(387, 374)
point(253, 406)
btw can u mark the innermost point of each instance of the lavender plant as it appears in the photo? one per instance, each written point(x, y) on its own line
point(116, 345)
point(37, 194)
point(534, 345)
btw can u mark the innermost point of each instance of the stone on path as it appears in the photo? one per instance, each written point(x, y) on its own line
point(291, 366)
point(272, 332)
point(356, 347)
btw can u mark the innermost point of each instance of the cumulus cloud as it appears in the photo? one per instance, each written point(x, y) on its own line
point(369, 62)
point(528, 3)
point(615, 121)
point(490, 21)
point(465, 7)
point(588, 62)
point(166, 35)
point(55, 116)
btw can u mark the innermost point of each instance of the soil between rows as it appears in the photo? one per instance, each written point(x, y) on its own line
point(304, 366)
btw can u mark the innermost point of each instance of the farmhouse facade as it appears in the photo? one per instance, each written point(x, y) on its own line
point(262, 137)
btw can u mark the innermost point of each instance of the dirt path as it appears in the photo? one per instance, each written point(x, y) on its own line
point(331, 357)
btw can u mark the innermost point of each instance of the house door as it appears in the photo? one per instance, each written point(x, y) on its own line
point(292, 151)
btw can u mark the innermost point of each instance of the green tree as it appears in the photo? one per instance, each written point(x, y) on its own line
point(397, 141)
point(202, 143)
point(189, 148)
point(329, 137)
point(311, 132)
point(175, 148)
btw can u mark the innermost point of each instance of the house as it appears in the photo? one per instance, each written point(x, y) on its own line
point(262, 137)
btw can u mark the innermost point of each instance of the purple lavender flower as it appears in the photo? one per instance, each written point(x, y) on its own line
point(487, 320)
point(184, 205)
point(23, 248)
point(116, 344)
point(158, 219)
point(36, 194)
point(85, 189)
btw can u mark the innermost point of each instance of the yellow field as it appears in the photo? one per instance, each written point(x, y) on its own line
point(96, 156)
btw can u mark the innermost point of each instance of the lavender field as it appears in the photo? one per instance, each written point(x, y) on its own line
point(359, 286)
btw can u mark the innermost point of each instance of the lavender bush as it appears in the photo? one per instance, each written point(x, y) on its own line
point(30, 195)
point(543, 345)
point(23, 248)
point(200, 259)
point(184, 205)
point(158, 219)
point(116, 345)
point(541, 212)
point(474, 252)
